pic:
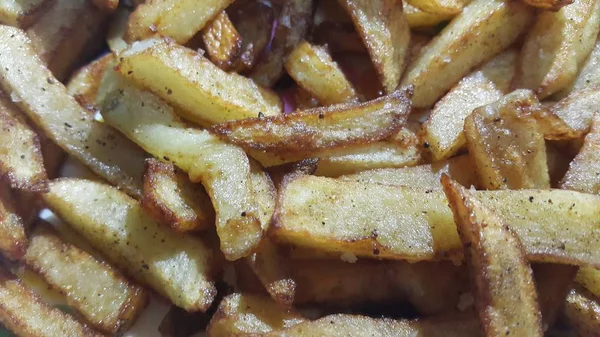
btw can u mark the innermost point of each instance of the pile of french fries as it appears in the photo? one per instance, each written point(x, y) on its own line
point(302, 167)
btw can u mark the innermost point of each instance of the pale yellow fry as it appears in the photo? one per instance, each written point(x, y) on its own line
point(576, 111)
point(589, 278)
point(13, 241)
point(222, 41)
point(584, 171)
point(588, 76)
point(582, 311)
point(417, 18)
point(448, 7)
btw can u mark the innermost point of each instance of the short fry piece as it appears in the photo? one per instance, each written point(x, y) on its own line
point(385, 32)
point(316, 72)
point(438, 6)
point(13, 241)
point(494, 24)
point(178, 267)
point(506, 297)
point(552, 5)
point(222, 41)
point(584, 171)
point(204, 93)
point(101, 294)
point(21, 13)
point(273, 272)
point(589, 75)
point(417, 18)
point(582, 310)
point(84, 84)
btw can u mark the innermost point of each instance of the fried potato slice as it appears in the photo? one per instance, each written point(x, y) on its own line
point(179, 20)
point(223, 169)
point(293, 20)
point(582, 311)
point(175, 201)
point(21, 13)
point(332, 215)
point(444, 127)
point(461, 169)
point(507, 145)
point(178, 267)
point(506, 298)
point(589, 75)
point(84, 84)
point(203, 92)
point(417, 18)
point(553, 5)
point(21, 161)
point(222, 41)
point(459, 47)
point(449, 7)
point(316, 72)
point(385, 33)
point(576, 111)
point(107, 5)
point(589, 278)
point(13, 241)
point(240, 314)
point(305, 133)
point(24, 313)
point(46, 102)
point(584, 171)
point(105, 298)
point(556, 47)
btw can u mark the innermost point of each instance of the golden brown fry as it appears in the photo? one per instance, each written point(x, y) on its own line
point(584, 171)
point(506, 297)
point(575, 113)
point(293, 23)
point(315, 71)
point(13, 241)
point(99, 293)
point(174, 200)
point(556, 47)
point(553, 5)
point(107, 5)
point(417, 18)
point(204, 93)
point(222, 41)
point(582, 311)
point(444, 127)
point(308, 132)
point(384, 31)
point(21, 13)
point(483, 29)
point(179, 20)
point(84, 84)
point(447, 7)
point(24, 313)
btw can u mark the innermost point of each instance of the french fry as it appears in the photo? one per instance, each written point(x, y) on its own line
point(576, 111)
point(84, 84)
point(204, 93)
point(584, 171)
point(179, 20)
point(307, 132)
point(449, 7)
point(589, 278)
point(21, 161)
point(13, 241)
point(417, 18)
point(444, 127)
point(320, 213)
point(553, 5)
point(589, 75)
point(556, 47)
point(385, 33)
point(101, 294)
point(506, 298)
point(178, 267)
point(582, 311)
point(293, 22)
point(222, 41)
point(21, 13)
point(458, 48)
point(24, 313)
point(46, 102)
point(307, 64)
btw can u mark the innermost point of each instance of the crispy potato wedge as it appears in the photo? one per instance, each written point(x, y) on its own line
point(107, 5)
point(305, 133)
point(553, 5)
point(443, 129)
point(178, 267)
point(461, 169)
point(21, 13)
point(13, 241)
point(507, 145)
point(417, 18)
point(582, 311)
point(179, 20)
point(385, 33)
point(448, 7)
point(589, 278)
point(308, 64)
point(106, 299)
point(223, 169)
point(174, 200)
point(553, 283)
point(21, 160)
point(117, 27)
point(589, 75)
point(458, 48)
point(204, 93)
point(576, 111)
point(240, 314)
point(84, 84)
point(506, 298)
point(320, 213)
point(46, 102)
point(24, 313)
point(584, 171)
point(222, 41)
point(556, 47)
point(293, 20)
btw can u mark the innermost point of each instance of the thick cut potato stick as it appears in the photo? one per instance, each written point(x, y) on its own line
point(24, 313)
point(417, 18)
point(506, 297)
point(323, 213)
point(307, 132)
point(473, 37)
point(46, 102)
point(589, 75)
point(222, 41)
point(13, 241)
point(84, 84)
point(576, 111)
point(178, 267)
point(552, 5)
point(316, 72)
point(385, 33)
point(556, 47)
point(21, 13)
point(179, 20)
point(582, 311)
point(204, 93)
point(174, 200)
point(444, 127)
point(449, 7)
point(21, 161)
point(101, 294)
point(584, 171)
